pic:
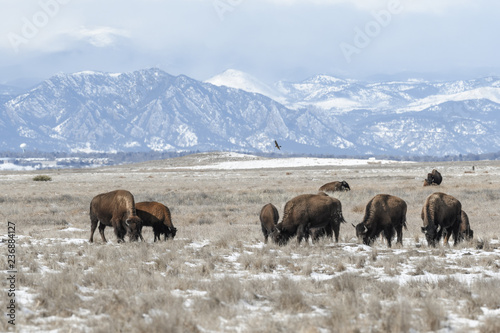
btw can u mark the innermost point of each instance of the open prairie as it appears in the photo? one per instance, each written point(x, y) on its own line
point(217, 275)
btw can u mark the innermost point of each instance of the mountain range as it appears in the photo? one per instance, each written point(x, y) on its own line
point(150, 109)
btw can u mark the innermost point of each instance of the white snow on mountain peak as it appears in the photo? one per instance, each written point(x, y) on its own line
point(488, 93)
point(236, 79)
point(150, 109)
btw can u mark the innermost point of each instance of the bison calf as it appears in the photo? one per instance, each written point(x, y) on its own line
point(383, 213)
point(269, 217)
point(116, 209)
point(156, 215)
point(464, 230)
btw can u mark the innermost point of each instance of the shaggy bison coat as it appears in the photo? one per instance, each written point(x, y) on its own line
point(305, 212)
point(269, 217)
point(441, 213)
point(335, 186)
point(116, 209)
point(156, 215)
point(383, 213)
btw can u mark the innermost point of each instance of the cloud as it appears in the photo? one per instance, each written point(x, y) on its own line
point(100, 36)
point(420, 6)
point(270, 39)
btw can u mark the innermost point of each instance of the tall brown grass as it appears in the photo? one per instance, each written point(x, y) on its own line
point(217, 275)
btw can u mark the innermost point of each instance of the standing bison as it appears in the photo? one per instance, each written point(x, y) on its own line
point(433, 178)
point(335, 186)
point(385, 213)
point(116, 209)
point(441, 213)
point(269, 217)
point(156, 215)
point(305, 212)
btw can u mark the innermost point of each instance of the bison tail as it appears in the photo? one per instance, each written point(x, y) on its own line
point(404, 223)
point(341, 217)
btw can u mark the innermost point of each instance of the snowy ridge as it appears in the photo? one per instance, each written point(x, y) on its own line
point(239, 80)
point(153, 110)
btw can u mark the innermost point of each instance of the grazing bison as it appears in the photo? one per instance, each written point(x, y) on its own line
point(464, 230)
point(335, 186)
point(305, 212)
point(433, 178)
point(116, 209)
point(385, 213)
point(269, 217)
point(156, 215)
point(441, 213)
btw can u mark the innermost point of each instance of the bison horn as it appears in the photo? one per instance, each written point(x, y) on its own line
point(353, 225)
point(127, 223)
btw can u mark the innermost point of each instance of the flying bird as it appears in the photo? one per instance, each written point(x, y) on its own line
point(276, 144)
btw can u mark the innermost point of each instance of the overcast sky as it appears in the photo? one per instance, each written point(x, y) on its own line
point(270, 39)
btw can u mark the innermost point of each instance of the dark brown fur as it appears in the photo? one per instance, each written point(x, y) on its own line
point(116, 209)
point(331, 228)
point(383, 213)
point(335, 186)
point(305, 212)
point(269, 217)
point(464, 230)
point(156, 215)
point(433, 178)
point(441, 213)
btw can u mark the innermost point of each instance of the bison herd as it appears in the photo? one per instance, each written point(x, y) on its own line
point(319, 215)
point(118, 209)
point(306, 215)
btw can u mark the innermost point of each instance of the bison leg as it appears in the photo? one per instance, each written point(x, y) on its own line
point(447, 235)
point(329, 230)
point(455, 237)
point(93, 226)
point(140, 234)
point(101, 231)
point(301, 233)
point(389, 233)
point(120, 231)
point(455, 232)
point(399, 232)
point(336, 229)
point(265, 233)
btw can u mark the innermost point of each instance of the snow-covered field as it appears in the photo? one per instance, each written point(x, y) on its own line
point(217, 275)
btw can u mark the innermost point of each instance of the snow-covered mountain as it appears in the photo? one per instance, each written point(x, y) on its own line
point(152, 110)
point(240, 80)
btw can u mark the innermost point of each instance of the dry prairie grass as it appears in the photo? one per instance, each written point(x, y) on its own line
point(218, 276)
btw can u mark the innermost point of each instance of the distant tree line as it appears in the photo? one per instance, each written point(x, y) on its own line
point(424, 158)
point(135, 157)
